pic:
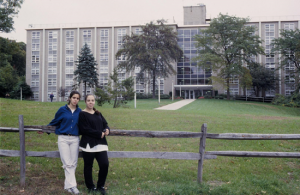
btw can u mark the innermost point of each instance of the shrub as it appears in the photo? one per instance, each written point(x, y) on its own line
point(143, 96)
point(289, 101)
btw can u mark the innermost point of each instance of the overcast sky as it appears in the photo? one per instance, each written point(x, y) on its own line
point(116, 11)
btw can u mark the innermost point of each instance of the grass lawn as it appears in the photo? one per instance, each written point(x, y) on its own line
point(224, 175)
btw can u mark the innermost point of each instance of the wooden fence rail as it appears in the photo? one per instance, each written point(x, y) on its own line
point(203, 135)
point(170, 134)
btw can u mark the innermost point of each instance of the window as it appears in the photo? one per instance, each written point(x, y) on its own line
point(34, 80)
point(52, 80)
point(138, 31)
point(35, 68)
point(35, 65)
point(35, 57)
point(289, 26)
point(69, 59)
point(269, 36)
point(121, 34)
point(87, 37)
point(233, 91)
point(69, 79)
point(104, 57)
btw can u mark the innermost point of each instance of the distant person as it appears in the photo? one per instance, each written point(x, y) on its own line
point(51, 97)
point(66, 122)
point(93, 128)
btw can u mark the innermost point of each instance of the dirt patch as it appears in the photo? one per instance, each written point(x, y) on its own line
point(37, 182)
point(266, 106)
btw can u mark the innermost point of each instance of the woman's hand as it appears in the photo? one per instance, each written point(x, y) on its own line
point(105, 133)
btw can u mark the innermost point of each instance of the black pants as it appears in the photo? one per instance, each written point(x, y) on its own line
point(88, 159)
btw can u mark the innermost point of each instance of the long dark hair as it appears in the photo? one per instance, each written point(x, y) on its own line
point(97, 112)
point(71, 95)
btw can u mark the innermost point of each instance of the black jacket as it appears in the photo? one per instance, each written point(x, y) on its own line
point(91, 127)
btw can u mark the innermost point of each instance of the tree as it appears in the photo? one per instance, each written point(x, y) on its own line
point(288, 45)
point(246, 79)
point(26, 90)
point(8, 9)
point(225, 45)
point(263, 79)
point(118, 91)
point(61, 92)
point(153, 51)
point(14, 53)
point(86, 68)
point(8, 79)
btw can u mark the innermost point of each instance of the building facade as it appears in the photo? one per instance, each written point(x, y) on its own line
point(52, 52)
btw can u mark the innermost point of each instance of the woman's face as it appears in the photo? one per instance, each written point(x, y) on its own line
point(74, 99)
point(90, 102)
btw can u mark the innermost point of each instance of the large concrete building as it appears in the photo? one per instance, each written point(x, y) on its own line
point(52, 52)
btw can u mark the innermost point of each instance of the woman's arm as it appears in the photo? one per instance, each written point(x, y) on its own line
point(57, 118)
point(105, 124)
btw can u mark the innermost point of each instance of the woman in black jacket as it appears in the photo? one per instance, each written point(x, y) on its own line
point(93, 128)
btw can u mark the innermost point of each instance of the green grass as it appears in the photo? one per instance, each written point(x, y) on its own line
point(224, 175)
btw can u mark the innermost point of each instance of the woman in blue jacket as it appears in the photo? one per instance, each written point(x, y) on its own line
point(66, 122)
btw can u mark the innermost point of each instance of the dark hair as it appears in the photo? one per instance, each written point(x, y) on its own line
point(97, 112)
point(71, 95)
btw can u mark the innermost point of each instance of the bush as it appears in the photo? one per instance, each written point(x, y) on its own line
point(165, 96)
point(289, 101)
point(221, 96)
point(143, 96)
point(149, 96)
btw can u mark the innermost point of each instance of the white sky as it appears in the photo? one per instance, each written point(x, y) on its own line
point(86, 11)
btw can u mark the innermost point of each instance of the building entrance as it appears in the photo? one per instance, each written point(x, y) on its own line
point(189, 94)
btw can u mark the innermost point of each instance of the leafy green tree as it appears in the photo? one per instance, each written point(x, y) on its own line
point(8, 9)
point(8, 79)
point(14, 53)
point(288, 45)
point(102, 96)
point(19, 59)
point(86, 68)
point(246, 79)
point(225, 45)
point(26, 90)
point(153, 51)
point(263, 79)
point(116, 91)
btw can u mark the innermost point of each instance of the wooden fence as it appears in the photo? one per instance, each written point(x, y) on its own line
point(158, 155)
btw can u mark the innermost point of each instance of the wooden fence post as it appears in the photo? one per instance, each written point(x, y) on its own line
point(202, 151)
point(22, 151)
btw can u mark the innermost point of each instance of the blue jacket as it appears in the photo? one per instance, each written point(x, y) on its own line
point(66, 121)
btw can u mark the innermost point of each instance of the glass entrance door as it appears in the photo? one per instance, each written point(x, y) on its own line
point(191, 94)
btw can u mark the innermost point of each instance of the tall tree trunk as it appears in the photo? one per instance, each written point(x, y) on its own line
point(257, 92)
point(228, 90)
point(153, 85)
point(263, 92)
point(297, 83)
point(115, 103)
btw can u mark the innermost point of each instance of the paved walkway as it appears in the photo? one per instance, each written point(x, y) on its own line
point(175, 105)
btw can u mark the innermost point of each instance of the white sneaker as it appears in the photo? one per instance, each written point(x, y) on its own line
point(73, 190)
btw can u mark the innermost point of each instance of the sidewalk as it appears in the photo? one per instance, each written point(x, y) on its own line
point(176, 105)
